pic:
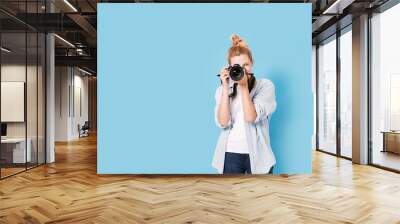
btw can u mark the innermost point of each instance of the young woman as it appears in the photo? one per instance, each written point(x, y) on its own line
point(242, 111)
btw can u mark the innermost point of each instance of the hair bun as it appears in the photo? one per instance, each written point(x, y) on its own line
point(237, 41)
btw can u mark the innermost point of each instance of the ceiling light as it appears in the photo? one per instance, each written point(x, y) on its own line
point(70, 5)
point(84, 71)
point(338, 6)
point(5, 50)
point(64, 40)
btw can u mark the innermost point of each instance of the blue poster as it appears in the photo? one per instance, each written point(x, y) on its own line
point(158, 84)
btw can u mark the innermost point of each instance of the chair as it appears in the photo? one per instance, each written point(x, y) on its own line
point(84, 130)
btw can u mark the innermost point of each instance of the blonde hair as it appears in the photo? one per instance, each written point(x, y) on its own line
point(239, 46)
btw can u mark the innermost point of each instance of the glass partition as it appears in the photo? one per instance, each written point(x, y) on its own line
point(22, 89)
point(14, 153)
point(41, 107)
point(32, 94)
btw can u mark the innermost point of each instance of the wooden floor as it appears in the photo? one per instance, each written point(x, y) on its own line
point(387, 159)
point(70, 191)
point(5, 172)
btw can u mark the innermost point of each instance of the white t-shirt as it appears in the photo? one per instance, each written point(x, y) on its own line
point(237, 140)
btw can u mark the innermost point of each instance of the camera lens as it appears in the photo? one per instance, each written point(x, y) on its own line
point(236, 72)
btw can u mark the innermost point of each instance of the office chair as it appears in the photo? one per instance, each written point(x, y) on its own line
point(84, 130)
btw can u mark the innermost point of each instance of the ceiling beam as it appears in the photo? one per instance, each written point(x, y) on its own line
point(83, 61)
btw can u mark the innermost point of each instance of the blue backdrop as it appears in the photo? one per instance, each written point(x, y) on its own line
point(157, 66)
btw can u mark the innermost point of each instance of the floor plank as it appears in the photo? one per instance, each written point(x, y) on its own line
point(70, 191)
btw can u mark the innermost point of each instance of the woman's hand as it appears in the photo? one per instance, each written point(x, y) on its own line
point(224, 76)
point(249, 109)
point(223, 107)
point(244, 81)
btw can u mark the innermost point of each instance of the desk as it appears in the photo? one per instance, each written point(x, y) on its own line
point(15, 148)
point(391, 141)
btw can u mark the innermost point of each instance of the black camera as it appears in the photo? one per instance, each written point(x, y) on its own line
point(236, 72)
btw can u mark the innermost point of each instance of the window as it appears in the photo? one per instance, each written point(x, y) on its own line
point(346, 93)
point(385, 88)
point(327, 96)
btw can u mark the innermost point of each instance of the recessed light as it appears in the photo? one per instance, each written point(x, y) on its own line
point(70, 5)
point(5, 50)
point(84, 71)
point(64, 40)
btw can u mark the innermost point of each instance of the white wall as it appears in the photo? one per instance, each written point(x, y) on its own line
point(15, 72)
point(80, 89)
point(70, 84)
point(62, 81)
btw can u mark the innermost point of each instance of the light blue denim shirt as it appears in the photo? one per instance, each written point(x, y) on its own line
point(261, 156)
